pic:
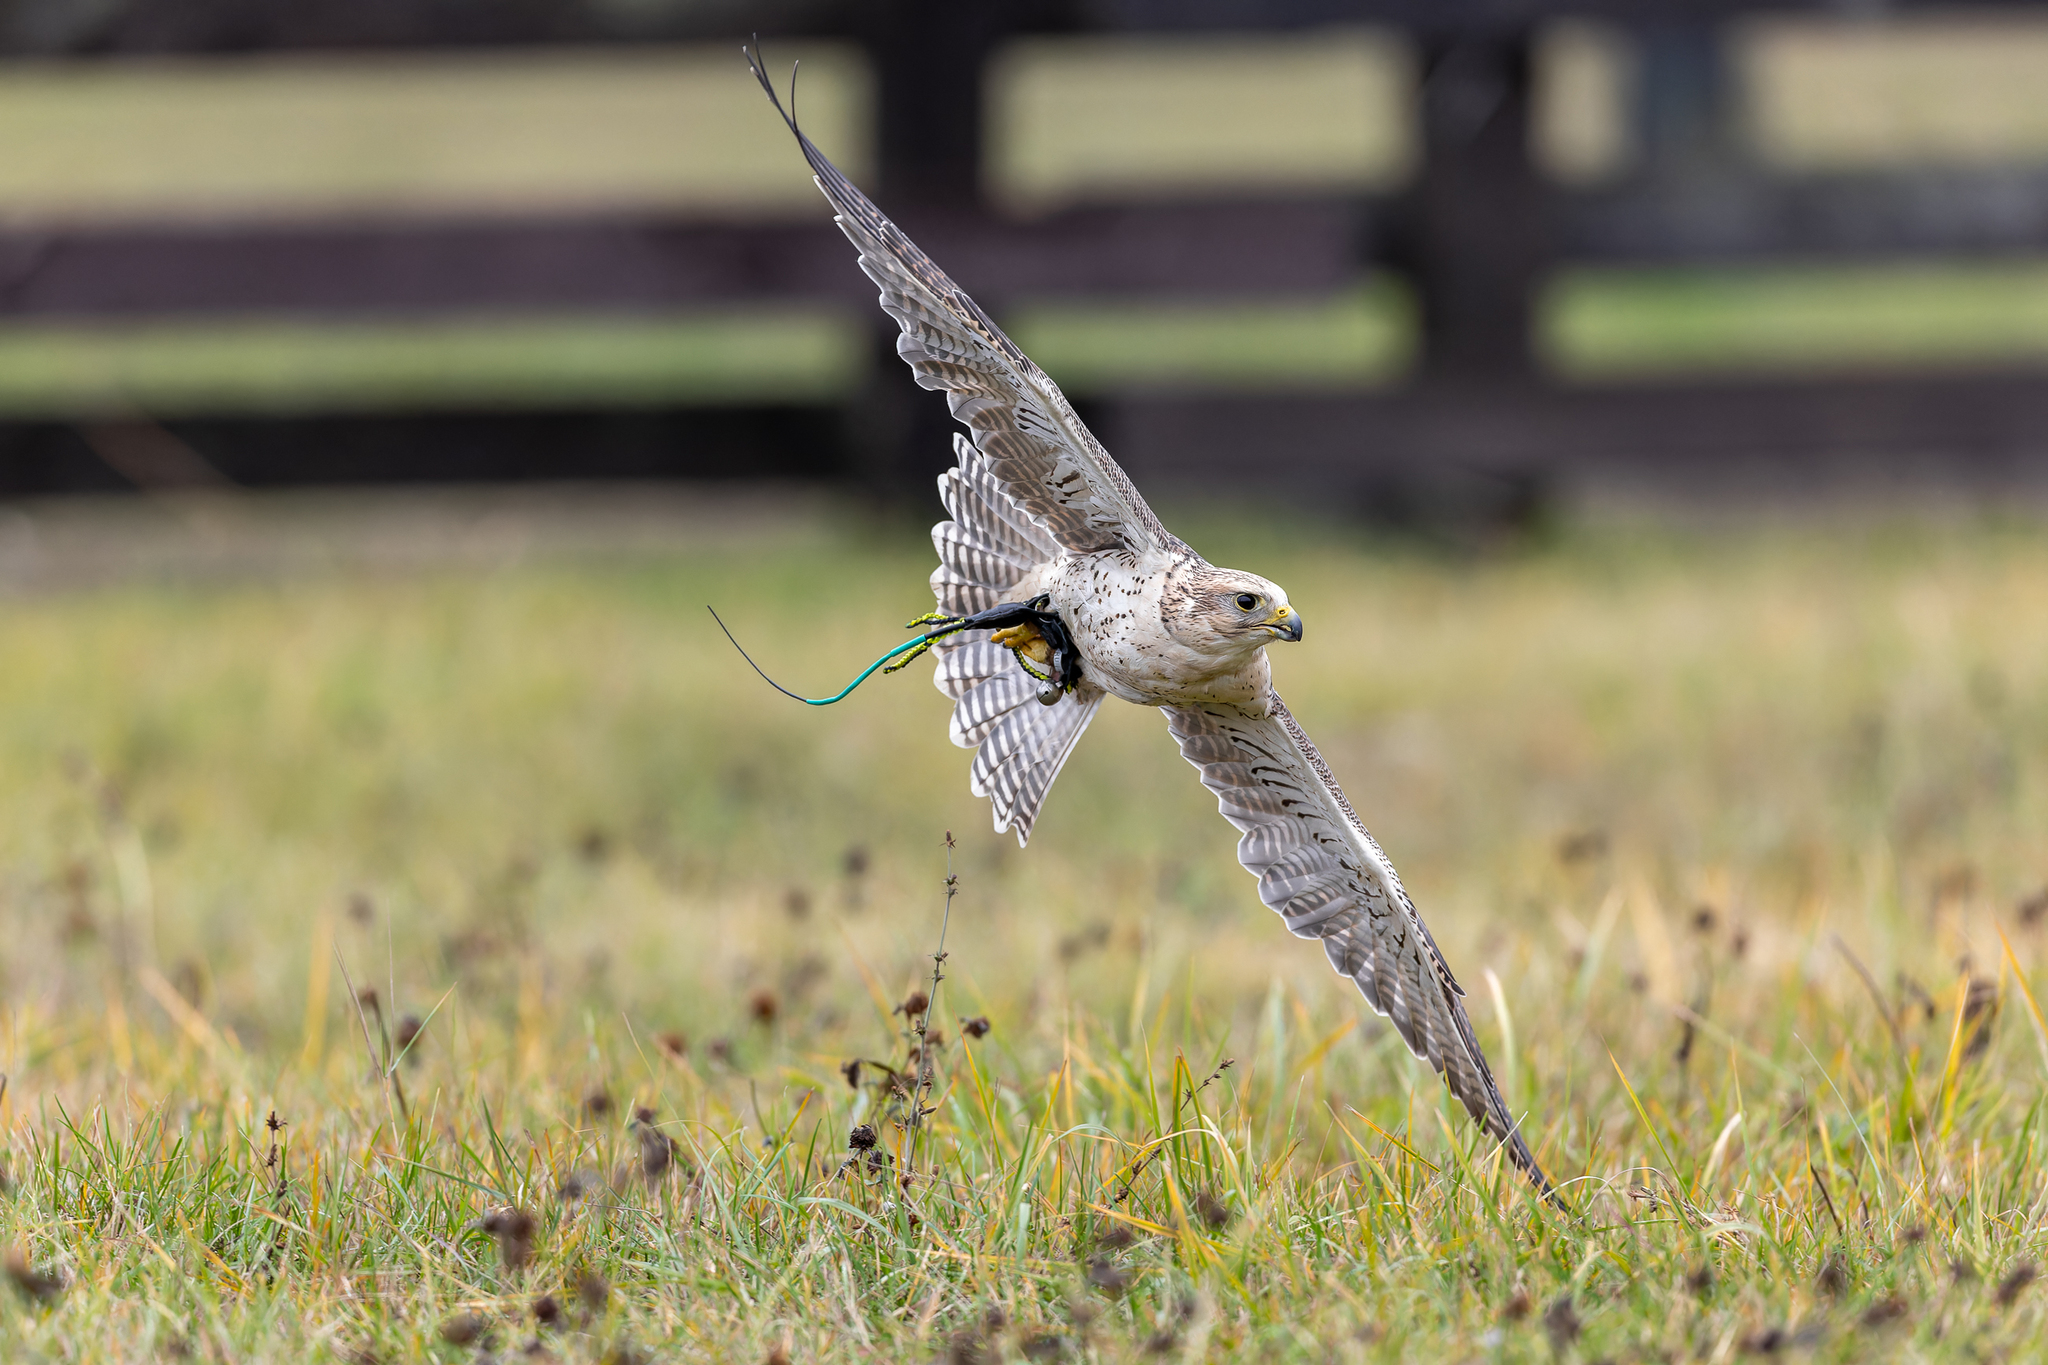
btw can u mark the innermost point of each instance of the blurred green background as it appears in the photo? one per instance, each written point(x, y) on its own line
point(682, 132)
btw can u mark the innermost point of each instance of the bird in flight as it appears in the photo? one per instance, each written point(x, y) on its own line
point(1058, 587)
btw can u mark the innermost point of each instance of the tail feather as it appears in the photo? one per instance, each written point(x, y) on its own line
point(987, 554)
point(1024, 752)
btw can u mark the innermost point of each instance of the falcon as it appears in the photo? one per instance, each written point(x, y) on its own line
point(1057, 587)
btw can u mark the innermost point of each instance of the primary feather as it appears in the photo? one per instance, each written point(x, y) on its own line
point(1038, 508)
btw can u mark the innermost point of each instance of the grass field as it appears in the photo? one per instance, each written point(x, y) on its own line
point(1670, 789)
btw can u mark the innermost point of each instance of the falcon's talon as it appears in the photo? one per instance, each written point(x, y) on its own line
point(1026, 641)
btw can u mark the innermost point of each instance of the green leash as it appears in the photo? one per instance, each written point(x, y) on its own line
point(911, 647)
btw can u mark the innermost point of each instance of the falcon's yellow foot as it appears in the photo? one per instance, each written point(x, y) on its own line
point(1026, 641)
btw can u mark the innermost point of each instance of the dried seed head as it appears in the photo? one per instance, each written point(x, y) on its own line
point(862, 1138)
point(777, 1355)
point(1766, 1342)
point(547, 1310)
point(762, 1006)
point(914, 1003)
point(1212, 1211)
point(407, 1034)
point(2033, 908)
point(1961, 1271)
point(2009, 1288)
point(1104, 1275)
point(851, 1070)
point(657, 1152)
point(1561, 1321)
point(796, 903)
point(1980, 1011)
point(1116, 1237)
point(1700, 1278)
point(977, 1027)
point(1072, 946)
point(1047, 1346)
point(597, 1103)
point(1886, 1310)
point(1704, 919)
point(575, 1185)
point(188, 978)
point(721, 1051)
point(969, 1347)
point(855, 862)
point(594, 844)
point(36, 1284)
point(592, 1290)
point(79, 925)
point(1913, 1236)
point(462, 1329)
point(367, 997)
point(1582, 846)
point(514, 1228)
point(1833, 1277)
point(642, 1115)
point(1517, 1307)
point(361, 908)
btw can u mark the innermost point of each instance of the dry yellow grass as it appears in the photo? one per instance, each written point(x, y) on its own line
point(539, 807)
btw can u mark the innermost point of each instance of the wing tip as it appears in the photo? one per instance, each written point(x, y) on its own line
point(759, 66)
point(818, 161)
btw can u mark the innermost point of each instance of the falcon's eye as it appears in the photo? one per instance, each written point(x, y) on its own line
point(1246, 601)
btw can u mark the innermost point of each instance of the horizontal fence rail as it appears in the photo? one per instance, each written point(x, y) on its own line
point(1474, 233)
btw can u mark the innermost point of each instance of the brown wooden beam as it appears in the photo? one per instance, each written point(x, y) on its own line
point(1989, 428)
point(1283, 247)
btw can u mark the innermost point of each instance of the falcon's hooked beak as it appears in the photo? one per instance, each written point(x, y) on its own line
point(1284, 623)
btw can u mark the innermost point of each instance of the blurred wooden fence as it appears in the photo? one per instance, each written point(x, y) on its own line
point(1475, 231)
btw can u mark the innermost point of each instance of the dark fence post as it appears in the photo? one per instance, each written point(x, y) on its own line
point(928, 58)
point(1683, 98)
point(1475, 233)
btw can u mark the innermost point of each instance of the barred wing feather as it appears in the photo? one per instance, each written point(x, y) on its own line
point(991, 547)
point(1020, 746)
point(1326, 876)
point(988, 553)
point(1034, 444)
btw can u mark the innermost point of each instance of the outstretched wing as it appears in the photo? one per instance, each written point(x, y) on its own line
point(1326, 876)
point(991, 552)
point(1034, 444)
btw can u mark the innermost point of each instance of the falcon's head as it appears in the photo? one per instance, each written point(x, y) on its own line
point(1227, 612)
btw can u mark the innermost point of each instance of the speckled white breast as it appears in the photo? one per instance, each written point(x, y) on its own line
point(1111, 602)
